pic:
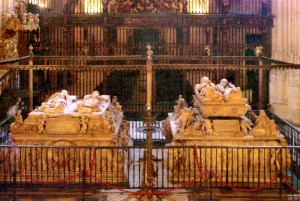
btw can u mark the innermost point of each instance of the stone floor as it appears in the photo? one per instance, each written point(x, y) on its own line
point(179, 195)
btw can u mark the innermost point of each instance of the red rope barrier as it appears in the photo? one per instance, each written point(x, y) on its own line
point(226, 184)
point(144, 192)
point(198, 164)
point(245, 190)
point(291, 186)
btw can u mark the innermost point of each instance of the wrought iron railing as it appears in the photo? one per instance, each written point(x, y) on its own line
point(291, 133)
point(242, 169)
point(123, 49)
point(125, 77)
point(140, 60)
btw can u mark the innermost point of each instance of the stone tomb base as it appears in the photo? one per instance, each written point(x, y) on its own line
point(67, 159)
point(235, 162)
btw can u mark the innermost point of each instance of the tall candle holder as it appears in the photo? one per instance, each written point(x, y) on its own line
point(149, 129)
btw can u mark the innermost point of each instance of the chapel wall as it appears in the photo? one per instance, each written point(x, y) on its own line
point(284, 84)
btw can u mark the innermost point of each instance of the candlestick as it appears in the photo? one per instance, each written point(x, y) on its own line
point(149, 78)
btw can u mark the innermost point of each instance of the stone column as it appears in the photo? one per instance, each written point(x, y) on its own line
point(284, 84)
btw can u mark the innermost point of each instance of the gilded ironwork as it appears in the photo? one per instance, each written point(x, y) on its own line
point(12, 23)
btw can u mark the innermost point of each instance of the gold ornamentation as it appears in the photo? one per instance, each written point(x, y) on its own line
point(12, 23)
point(84, 124)
point(186, 124)
point(17, 125)
point(264, 127)
point(223, 100)
point(218, 120)
point(48, 125)
point(41, 126)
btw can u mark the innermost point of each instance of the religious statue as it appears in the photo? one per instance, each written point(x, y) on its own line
point(149, 52)
point(187, 122)
point(14, 127)
point(181, 104)
point(116, 107)
point(225, 87)
point(42, 108)
point(258, 50)
point(200, 88)
point(58, 99)
point(41, 126)
point(212, 95)
point(93, 101)
point(84, 124)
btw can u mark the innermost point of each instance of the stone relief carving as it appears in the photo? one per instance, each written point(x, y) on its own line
point(65, 120)
point(264, 127)
point(152, 6)
point(18, 123)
